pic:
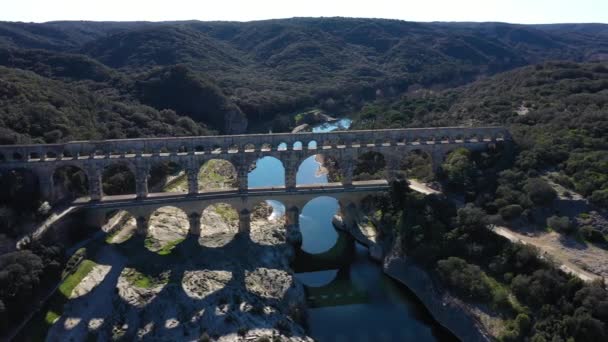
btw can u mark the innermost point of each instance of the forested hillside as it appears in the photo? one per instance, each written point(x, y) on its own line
point(556, 112)
point(231, 73)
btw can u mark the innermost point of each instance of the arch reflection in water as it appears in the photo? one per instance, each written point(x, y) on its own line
point(318, 232)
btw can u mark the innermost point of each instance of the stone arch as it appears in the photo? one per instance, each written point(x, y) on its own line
point(216, 149)
point(168, 226)
point(70, 181)
point(282, 146)
point(219, 224)
point(312, 145)
point(266, 218)
point(316, 224)
point(417, 164)
point(199, 149)
point(249, 147)
point(318, 169)
point(167, 176)
point(370, 165)
point(233, 148)
point(118, 179)
point(217, 174)
point(266, 171)
point(266, 147)
point(297, 146)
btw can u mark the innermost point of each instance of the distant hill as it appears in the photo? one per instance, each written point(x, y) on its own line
point(557, 112)
point(273, 67)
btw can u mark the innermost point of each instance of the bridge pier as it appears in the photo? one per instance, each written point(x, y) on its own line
point(292, 222)
point(142, 225)
point(195, 224)
point(347, 176)
point(291, 170)
point(95, 183)
point(244, 222)
point(243, 176)
point(436, 160)
point(141, 183)
point(46, 184)
point(192, 175)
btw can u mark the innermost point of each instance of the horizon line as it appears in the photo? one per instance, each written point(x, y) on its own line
point(288, 18)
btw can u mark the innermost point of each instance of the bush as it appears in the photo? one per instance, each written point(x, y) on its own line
point(561, 224)
point(591, 234)
point(599, 198)
point(464, 278)
point(511, 211)
point(540, 192)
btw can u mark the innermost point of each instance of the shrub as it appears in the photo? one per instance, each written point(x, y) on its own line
point(591, 234)
point(560, 223)
point(464, 278)
point(540, 192)
point(511, 211)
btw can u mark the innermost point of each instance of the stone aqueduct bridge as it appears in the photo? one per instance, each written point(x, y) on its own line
point(139, 155)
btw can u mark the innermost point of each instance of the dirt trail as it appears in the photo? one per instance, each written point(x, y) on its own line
point(584, 261)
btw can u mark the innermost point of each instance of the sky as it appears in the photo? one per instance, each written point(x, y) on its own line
point(512, 11)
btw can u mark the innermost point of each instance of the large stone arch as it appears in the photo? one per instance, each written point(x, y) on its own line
point(167, 175)
point(417, 164)
point(316, 224)
point(327, 169)
point(273, 175)
point(70, 181)
point(216, 174)
point(118, 178)
point(219, 224)
point(266, 217)
point(167, 227)
point(371, 164)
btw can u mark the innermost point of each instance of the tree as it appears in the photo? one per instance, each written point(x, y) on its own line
point(464, 278)
point(471, 218)
point(540, 192)
point(458, 168)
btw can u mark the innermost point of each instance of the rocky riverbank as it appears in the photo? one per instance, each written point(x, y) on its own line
point(450, 312)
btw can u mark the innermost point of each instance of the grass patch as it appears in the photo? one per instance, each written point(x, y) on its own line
point(51, 316)
point(75, 278)
point(145, 281)
point(38, 327)
point(110, 236)
point(166, 249)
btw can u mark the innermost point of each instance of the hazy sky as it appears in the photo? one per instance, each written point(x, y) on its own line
point(514, 11)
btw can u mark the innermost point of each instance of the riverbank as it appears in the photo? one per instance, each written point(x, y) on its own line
point(448, 311)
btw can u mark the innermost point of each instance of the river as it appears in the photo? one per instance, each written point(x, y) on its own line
point(350, 299)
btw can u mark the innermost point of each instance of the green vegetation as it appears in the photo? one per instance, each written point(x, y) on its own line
point(168, 247)
point(145, 281)
point(535, 299)
point(70, 282)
